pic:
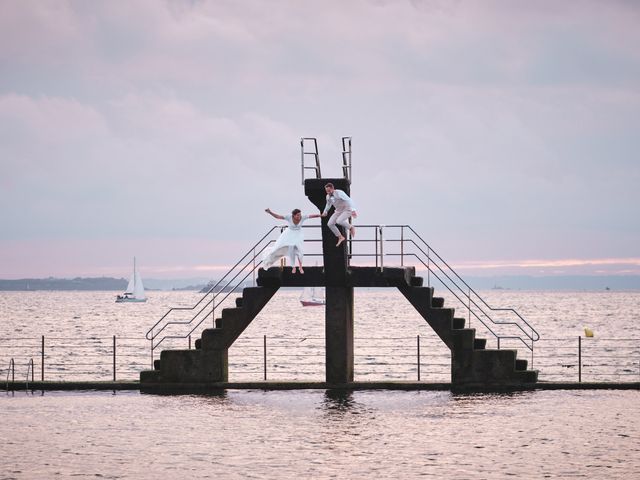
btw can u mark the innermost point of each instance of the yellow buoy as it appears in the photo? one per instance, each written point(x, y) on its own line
point(588, 332)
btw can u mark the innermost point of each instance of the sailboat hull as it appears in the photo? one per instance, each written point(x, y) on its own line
point(312, 303)
point(130, 300)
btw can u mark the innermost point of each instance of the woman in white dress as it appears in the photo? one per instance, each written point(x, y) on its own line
point(291, 240)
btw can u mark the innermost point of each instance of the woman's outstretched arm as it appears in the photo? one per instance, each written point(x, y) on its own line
point(273, 214)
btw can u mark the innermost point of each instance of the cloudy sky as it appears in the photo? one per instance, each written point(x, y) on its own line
point(507, 133)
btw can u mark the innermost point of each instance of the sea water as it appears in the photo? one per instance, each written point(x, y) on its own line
point(321, 434)
point(392, 341)
point(318, 434)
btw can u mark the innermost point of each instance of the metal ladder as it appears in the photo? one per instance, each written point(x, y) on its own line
point(309, 148)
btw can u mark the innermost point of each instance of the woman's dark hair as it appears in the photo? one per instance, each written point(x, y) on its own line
point(295, 211)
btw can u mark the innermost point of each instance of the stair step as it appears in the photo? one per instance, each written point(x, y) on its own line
point(527, 376)
point(417, 281)
point(521, 364)
point(480, 344)
point(149, 376)
point(458, 323)
point(239, 302)
point(198, 343)
point(156, 364)
point(437, 302)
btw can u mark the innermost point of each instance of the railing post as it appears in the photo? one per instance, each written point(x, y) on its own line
point(42, 360)
point(381, 249)
point(579, 359)
point(302, 158)
point(152, 349)
point(376, 243)
point(114, 358)
point(469, 305)
point(428, 266)
point(254, 264)
point(213, 309)
point(189, 341)
point(498, 338)
point(264, 356)
point(402, 246)
point(418, 345)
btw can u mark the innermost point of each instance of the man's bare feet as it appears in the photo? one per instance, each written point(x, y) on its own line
point(340, 240)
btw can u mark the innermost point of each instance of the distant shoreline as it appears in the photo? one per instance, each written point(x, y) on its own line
point(602, 283)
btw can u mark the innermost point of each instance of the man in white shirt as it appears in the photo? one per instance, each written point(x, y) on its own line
point(344, 209)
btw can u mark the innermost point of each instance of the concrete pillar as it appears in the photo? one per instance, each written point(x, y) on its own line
point(339, 335)
point(339, 296)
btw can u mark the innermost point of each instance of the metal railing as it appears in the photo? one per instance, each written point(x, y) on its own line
point(587, 358)
point(410, 246)
point(11, 371)
point(313, 144)
point(212, 300)
point(346, 158)
point(309, 147)
point(63, 358)
point(420, 357)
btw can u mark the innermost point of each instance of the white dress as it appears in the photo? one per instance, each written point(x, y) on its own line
point(290, 244)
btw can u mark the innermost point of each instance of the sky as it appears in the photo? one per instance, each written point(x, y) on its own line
point(506, 133)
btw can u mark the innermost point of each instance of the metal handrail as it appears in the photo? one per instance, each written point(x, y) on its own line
point(346, 158)
point(433, 267)
point(537, 335)
point(211, 289)
point(315, 154)
point(30, 367)
point(250, 257)
point(212, 301)
point(467, 293)
point(11, 371)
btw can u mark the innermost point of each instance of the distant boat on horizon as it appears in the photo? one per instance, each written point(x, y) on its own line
point(135, 289)
point(310, 298)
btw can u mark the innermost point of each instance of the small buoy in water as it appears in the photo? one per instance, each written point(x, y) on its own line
point(588, 332)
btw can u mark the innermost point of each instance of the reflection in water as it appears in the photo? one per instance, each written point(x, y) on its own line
point(338, 400)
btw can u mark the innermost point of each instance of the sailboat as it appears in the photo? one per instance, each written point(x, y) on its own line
point(310, 297)
point(135, 288)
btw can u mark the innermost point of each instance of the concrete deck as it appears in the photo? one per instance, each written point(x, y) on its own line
point(216, 387)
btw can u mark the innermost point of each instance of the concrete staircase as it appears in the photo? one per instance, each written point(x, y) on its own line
point(208, 363)
point(473, 366)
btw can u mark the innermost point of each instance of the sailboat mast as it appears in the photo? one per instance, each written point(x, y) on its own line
point(134, 274)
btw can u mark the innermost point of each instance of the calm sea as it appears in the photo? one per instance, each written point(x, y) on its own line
point(318, 434)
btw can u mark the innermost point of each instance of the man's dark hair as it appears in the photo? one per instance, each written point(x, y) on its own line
point(329, 185)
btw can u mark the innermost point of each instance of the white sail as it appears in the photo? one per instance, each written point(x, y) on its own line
point(131, 284)
point(138, 290)
point(310, 296)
